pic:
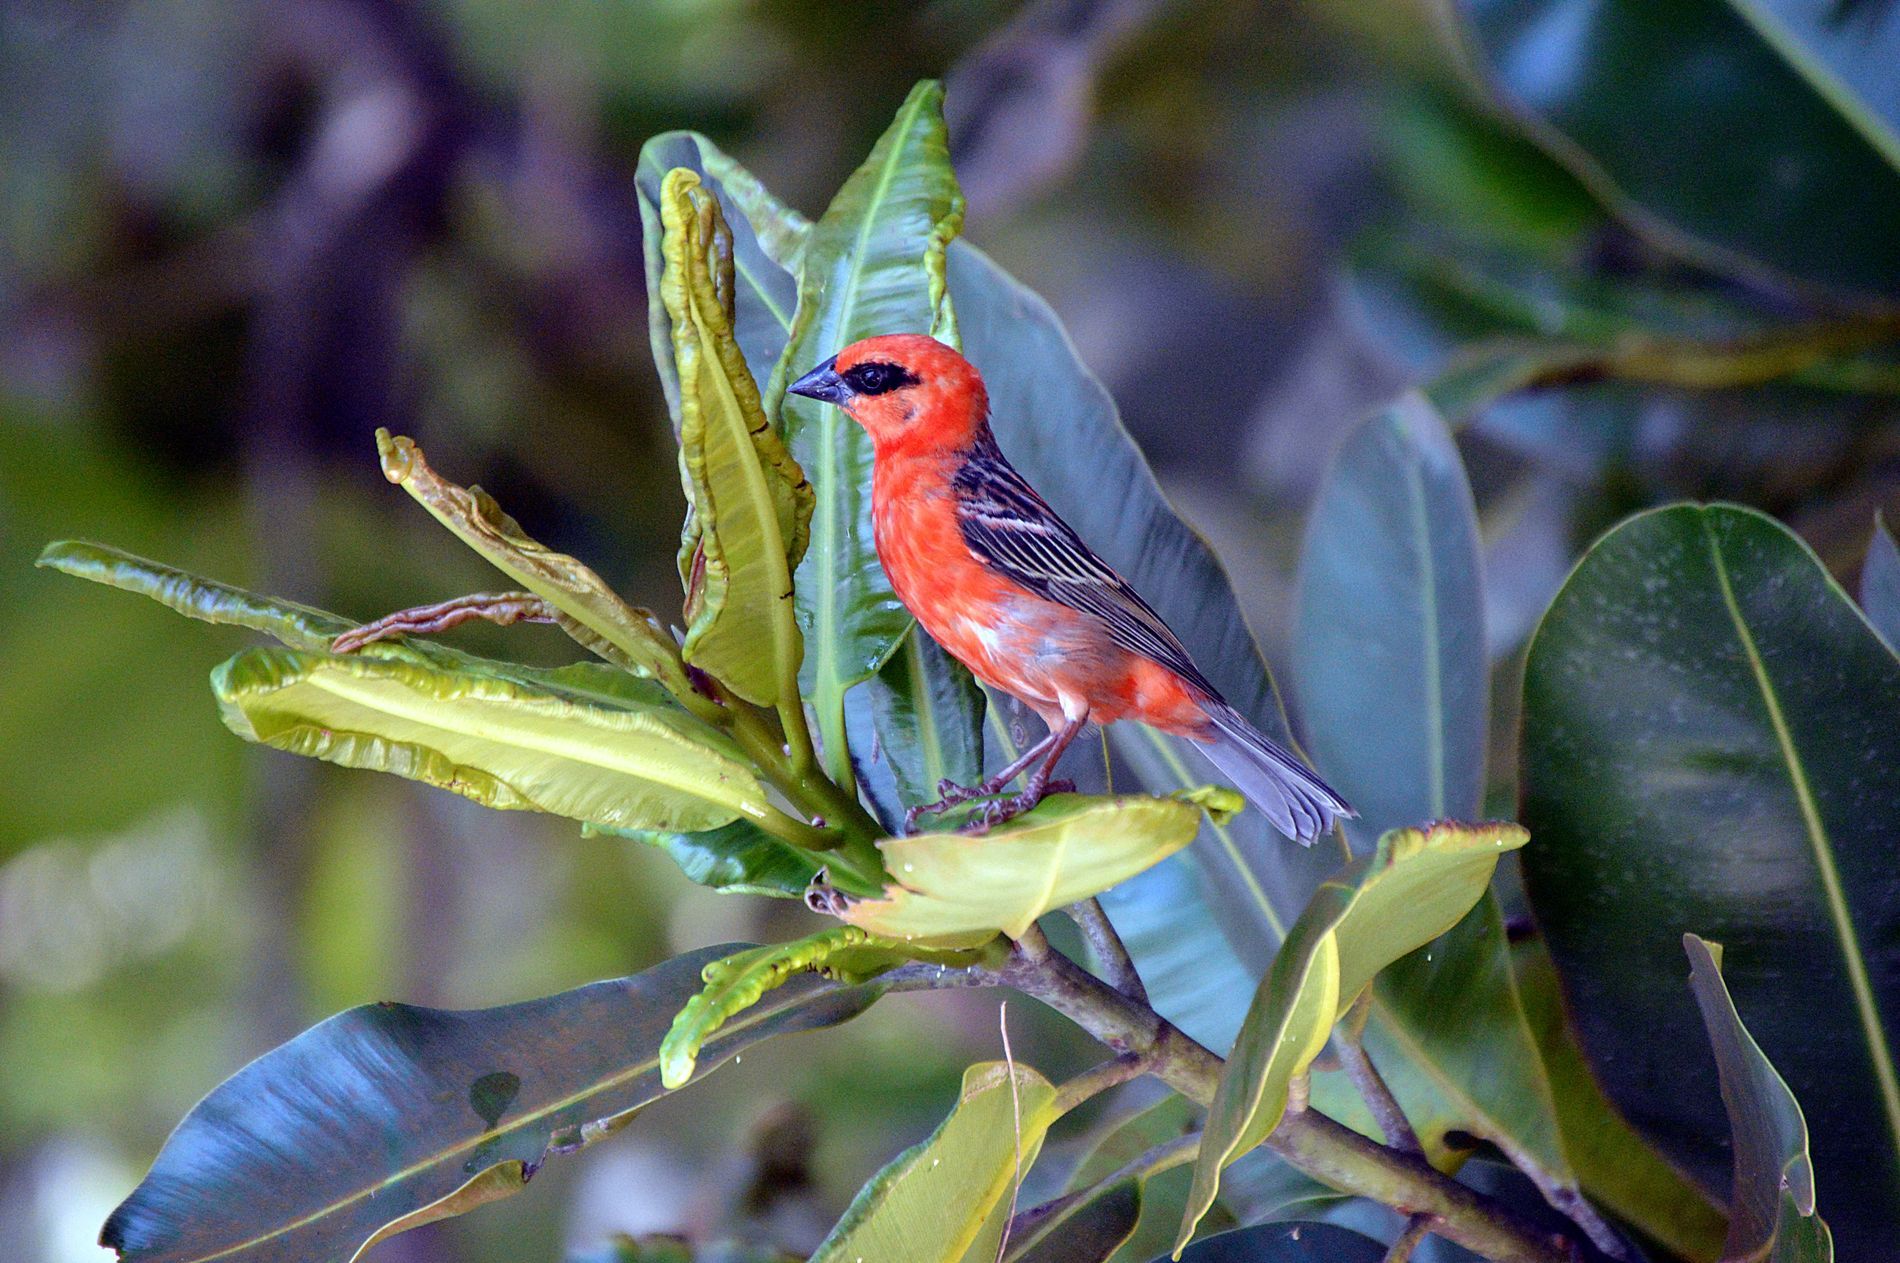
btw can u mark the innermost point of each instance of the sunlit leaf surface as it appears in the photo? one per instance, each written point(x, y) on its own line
point(954, 886)
point(1414, 887)
point(502, 742)
point(947, 1199)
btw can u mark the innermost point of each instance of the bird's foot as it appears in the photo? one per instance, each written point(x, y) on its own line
point(1006, 809)
point(950, 794)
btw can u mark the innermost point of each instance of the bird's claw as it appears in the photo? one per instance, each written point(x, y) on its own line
point(950, 794)
point(1005, 809)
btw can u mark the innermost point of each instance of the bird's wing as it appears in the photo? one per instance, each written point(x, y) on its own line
point(1016, 534)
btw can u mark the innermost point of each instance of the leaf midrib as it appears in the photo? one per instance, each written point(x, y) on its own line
point(651, 1064)
point(350, 688)
point(1865, 1005)
point(829, 675)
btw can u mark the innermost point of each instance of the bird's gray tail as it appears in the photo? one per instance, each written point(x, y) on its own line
point(1273, 778)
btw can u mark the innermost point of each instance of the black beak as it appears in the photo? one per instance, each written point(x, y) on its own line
point(822, 384)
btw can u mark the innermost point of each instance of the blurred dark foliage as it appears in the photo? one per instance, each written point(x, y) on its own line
point(236, 237)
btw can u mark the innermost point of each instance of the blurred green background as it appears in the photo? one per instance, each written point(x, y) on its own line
point(236, 237)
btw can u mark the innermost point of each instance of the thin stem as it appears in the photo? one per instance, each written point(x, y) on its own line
point(1097, 1079)
point(1417, 1228)
point(847, 827)
point(1106, 946)
point(1311, 1142)
point(1365, 1076)
point(1026, 1229)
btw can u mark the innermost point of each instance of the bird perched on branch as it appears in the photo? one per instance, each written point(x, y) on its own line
point(1011, 591)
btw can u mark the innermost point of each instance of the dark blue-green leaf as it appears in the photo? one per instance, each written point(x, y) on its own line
point(1880, 584)
point(389, 1116)
point(1771, 1215)
point(1709, 744)
point(1692, 124)
point(1285, 1243)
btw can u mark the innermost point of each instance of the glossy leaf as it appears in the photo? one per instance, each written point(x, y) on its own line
point(1880, 583)
point(1417, 885)
point(1635, 98)
point(951, 886)
point(502, 742)
point(1391, 624)
point(669, 1249)
point(1772, 1206)
point(590, 611)
point(1388, 646)
point(749, 506)
point(874, 263)
point(767, 236)
point(1088, 1230)
point(920, 717)
point(1285, 1243)
point(388, 1116)
point(739, 858)
point(1202, 927)
point(927, 713)
point(1622, 1172)
point(298, 626)
point(1045, 405)
point(1708, 743)
point(735, 983)
point(946, 1200)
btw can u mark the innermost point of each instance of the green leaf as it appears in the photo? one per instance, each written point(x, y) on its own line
point(1772, 1217)
point(502, 742)
point(1246, 884)
point(1709, 743)
point(1087, 1230)
point(1391, 624)
point(874, 263)
point(1388, 649)
point(1880, 583)
point(1105, 1210)
point(738, 858)
point(736, 983)
point(767, 236)
point(1621, 1171)
point(927, 713)
point(954, 887)
point(947, 1200)
point(1646, 103)
point(1286, 1243)
point(590, 611)
point(749, 506)
point(298, 626)
point(1417, 885)
point(668, 1249)
point(388, 1116)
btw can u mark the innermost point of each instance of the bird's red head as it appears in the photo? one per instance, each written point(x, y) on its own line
point(910, 392)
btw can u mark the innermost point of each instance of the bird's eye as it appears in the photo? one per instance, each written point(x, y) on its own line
point(877, 378)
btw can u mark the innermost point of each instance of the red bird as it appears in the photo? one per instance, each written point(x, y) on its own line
point(1011, 591)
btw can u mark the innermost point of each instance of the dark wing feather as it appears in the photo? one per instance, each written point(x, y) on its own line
point(1014, 532)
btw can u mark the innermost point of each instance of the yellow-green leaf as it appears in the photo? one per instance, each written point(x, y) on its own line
point(500, 741)
point(590, 611)
point(749, 515)
point(947, 1199)
point(1418, 884)
point(299, 626)
point(872, 264)
point(953, 887)
point(736, 983)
